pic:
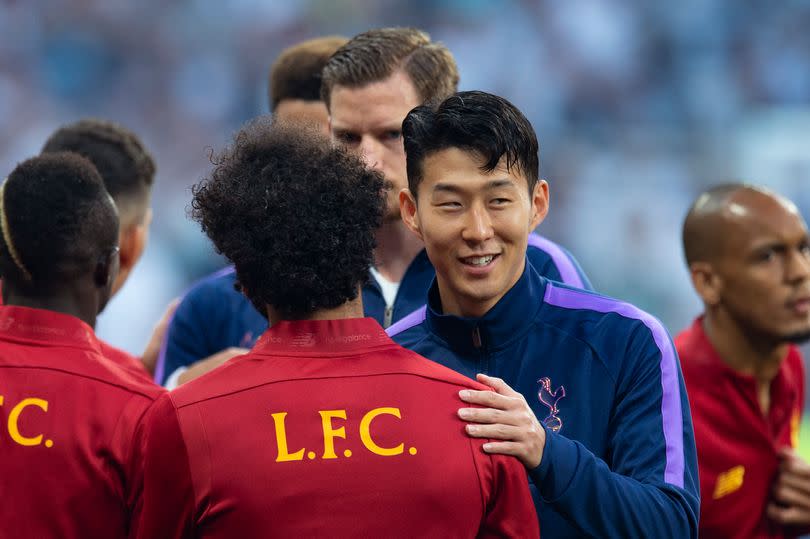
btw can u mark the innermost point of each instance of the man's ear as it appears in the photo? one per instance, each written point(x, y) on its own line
point(407, 210)
point(106, 269)
point(539, 203)
point(707, 283)
point(133, 242)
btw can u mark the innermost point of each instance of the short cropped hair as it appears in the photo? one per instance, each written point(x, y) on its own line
point(296, 73)
point(478, 122)
point(296, 215)
point(375, 55)
point(57, 222)
point(127, 168)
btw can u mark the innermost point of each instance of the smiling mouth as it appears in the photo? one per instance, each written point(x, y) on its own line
point(478, 261)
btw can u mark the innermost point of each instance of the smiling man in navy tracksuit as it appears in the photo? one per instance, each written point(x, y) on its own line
point(598, 414)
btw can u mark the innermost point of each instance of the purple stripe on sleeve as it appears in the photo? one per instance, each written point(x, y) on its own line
point(567, 269)
point(670, 387)
point(160, 366)
point(413, 319)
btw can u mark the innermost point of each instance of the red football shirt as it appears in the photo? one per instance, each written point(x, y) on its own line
point(326, 429)
point(737, 445)
point(67, 423)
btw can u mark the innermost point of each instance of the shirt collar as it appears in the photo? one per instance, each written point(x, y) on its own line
point(507, 320)
point(322, 337)
point(44, 327)
point(714, 365)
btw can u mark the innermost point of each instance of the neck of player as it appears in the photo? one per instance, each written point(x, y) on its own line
point(746, 352)
point(350, 309)
point(82, 304)
point(396, 248)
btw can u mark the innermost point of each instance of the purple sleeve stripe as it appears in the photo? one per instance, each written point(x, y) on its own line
point(160, 366)
point(567, 269)
point(671, 392)
point(413, 319)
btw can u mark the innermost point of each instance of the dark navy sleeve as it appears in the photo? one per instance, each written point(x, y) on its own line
point(556, 263)
point(652, 488)
point(187, 339)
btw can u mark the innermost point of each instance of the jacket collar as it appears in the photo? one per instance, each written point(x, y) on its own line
point(46, 328)
point(509, 319)
point(322, 337)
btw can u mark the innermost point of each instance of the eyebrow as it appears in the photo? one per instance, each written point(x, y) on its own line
point(492, 184)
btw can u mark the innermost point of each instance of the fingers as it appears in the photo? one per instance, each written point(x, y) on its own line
point(791, 496)
point(504, 448)
point(516, 416)
point(496, 432)
point(789, 516)
point(793, 464)
point(798, 482)
point(497, 384)
point(490, 399)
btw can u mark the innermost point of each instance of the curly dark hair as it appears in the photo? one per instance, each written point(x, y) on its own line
point(482, 123)
point(296, 215)
point(125, 165)
point(57, 221)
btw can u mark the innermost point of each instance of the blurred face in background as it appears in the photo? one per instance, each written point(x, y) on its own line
point(762, 271)
point(368, 119)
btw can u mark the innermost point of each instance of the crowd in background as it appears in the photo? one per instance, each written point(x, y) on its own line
point(638, 106)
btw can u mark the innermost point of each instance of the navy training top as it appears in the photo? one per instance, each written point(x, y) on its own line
point(603, 378)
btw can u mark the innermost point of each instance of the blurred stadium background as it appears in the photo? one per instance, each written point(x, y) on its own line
point(638, 106)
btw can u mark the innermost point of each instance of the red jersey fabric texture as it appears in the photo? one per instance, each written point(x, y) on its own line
point(125, 360)
point(326, 429)
point(737, 444)
point(67, 422)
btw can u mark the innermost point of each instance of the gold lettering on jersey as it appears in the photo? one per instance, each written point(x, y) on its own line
point(365, 432)
point(13, 423)
point(728, 482)
point(331, 432)
point(281, 440)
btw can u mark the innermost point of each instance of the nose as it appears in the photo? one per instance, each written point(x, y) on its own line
point(798, 266)
point(478, 226)
point(370, 152)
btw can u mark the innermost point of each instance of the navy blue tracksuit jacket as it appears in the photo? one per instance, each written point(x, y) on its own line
point(604, 379)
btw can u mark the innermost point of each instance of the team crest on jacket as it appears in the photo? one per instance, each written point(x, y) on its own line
point(551, 398)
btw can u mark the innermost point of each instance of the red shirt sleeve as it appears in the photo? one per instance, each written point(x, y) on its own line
point(508, 507)
point(165, 508)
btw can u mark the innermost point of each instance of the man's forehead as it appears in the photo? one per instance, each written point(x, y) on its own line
point(461, 166)
point(752, 215)
point(381, 102)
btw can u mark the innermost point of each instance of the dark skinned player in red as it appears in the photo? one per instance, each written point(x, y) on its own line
point(749, 259)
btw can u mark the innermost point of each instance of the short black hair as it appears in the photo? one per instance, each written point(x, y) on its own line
point(295, 214)
point(477, 122)
point(127, 168)
point(57, 222)
point(296, 73)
